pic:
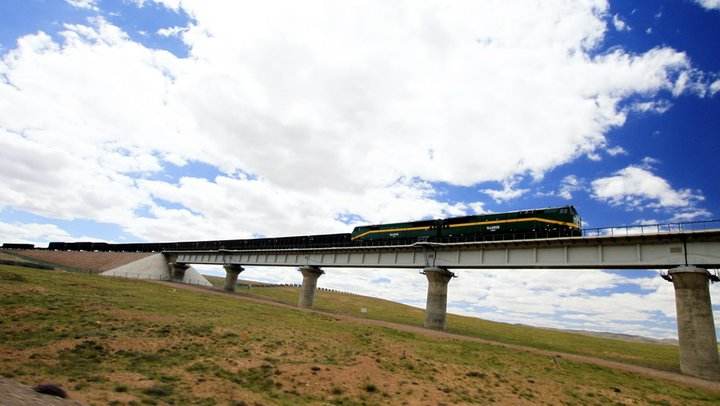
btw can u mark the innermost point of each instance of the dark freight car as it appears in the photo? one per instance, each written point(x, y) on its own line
point(18, 246)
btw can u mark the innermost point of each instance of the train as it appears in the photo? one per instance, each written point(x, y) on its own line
point(550, 222)
point(17, 246)
point(524, 224)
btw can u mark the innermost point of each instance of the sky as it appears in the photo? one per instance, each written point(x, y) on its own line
point(171, 120)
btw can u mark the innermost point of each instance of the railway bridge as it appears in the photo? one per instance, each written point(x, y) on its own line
point(684, 256)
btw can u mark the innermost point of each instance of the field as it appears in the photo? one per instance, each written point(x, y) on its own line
point(659, 356)
point(115, 341)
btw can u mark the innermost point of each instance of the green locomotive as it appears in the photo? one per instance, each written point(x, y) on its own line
point(538, 223)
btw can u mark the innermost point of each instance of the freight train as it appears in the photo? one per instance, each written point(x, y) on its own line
point(525, 224)
point(18, 246)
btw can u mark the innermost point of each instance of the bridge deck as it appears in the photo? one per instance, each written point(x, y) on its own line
point(663, 250)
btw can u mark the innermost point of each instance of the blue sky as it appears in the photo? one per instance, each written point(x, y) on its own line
point(152, 120)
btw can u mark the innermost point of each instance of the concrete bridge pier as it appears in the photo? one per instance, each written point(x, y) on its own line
point(436, 307)
point(177, 271)
point(307, 292)
point(696, 327)
point(231, 276)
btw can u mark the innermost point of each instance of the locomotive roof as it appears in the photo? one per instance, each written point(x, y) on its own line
point(571, 207)
point(518, 211)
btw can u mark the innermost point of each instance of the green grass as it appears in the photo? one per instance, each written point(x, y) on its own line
point(119, 341)
point(652, 355)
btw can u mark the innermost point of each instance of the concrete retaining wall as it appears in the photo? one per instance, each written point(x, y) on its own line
point(193, 277)
point(155, 267)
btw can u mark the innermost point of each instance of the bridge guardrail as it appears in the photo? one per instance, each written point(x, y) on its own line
point(651, 229)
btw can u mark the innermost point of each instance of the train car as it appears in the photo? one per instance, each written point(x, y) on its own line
point(304, 241)
point(18, 246)
point(536, 223)
point(57, 246)
point(81, 246)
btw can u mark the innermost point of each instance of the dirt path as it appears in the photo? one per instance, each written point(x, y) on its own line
point(645, 371)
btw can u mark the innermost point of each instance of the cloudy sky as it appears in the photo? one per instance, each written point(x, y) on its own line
point(156, 120)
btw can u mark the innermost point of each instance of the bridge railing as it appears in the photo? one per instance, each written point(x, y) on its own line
point(651, 229)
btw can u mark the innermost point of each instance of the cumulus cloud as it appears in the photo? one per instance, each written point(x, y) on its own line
point(508, 192)
point(359, 123)
point(619, 24)
point(84, 4)
point(709, 4)
point(249, 207)
point(32, 233)
point(637, 188)
point(656, 106)
point(70, 180)
point(616, 150)
point(568, 186)
point(715, 87)
point(170, 31)
point(478, 208)
point(690, 215)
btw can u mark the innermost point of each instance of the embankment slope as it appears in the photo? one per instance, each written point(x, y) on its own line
point(93, 262)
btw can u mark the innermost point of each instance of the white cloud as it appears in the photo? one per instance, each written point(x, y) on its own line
point(648, 163)
point(327, 125)
point(245, 207)
point(508, 192)
point(715, 87)
point(691, 215)
point(478, 208)
point(616, 150)
point(70, 180)
point(35, 233)
point(655, 106)
point(638, 188)
point(594, 156)
point(84, 4)
point(709, 4)
point(619, 24)
point(170, 31)
point(569, 184)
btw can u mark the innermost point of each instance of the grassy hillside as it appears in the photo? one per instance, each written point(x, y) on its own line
point(129, 342)
point(660, 356)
